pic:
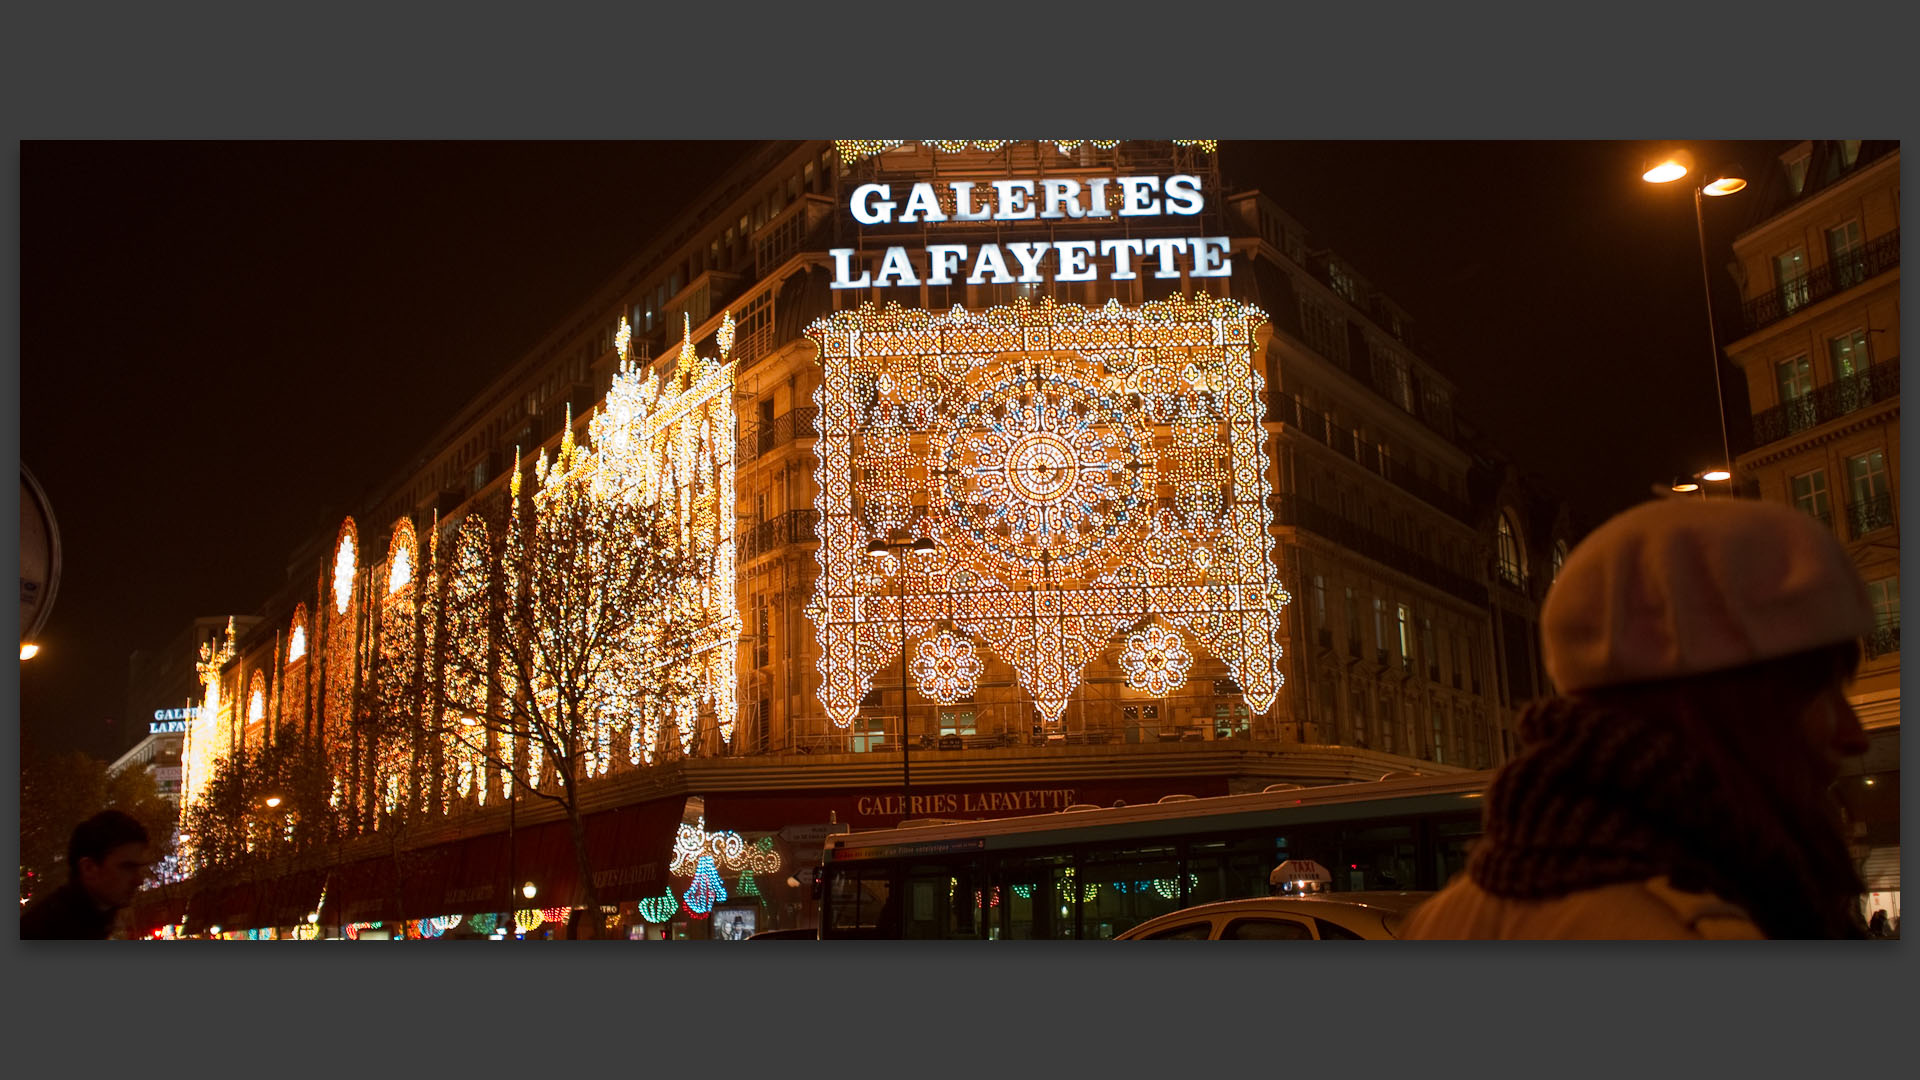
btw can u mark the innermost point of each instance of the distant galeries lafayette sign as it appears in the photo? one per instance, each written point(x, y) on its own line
point(1056, 199)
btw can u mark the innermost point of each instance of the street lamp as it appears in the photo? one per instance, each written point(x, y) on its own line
point(28, 650)
point(922, 549)
point(529, 891)
point(1722, 181)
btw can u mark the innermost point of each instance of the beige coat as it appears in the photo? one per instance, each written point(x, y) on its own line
point(1641, 910)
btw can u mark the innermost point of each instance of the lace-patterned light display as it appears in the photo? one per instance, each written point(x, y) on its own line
point(1083, 472)
point(851, 150)
point(946, 669)
point(1156, 660)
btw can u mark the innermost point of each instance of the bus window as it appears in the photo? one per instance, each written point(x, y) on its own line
point(1035, 898)
point(1122, 888)
point(944, 901)
point(1231, 869)
point(1451, 841)
point(1380, 857)
point(859, 904)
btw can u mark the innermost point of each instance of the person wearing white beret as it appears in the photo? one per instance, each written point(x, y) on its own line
point(1679, 784)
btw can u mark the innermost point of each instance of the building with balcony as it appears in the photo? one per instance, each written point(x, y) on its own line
point(1820, 350)
point(1413, 555)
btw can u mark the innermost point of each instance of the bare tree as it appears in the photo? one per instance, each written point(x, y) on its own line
point(576, 637)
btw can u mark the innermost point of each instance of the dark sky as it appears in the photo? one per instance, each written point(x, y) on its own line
point(225, 346)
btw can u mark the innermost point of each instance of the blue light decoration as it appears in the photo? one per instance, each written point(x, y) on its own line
point(706, 890)
point(658, 909)
point(482, 924)
point(430, 928)
point(1024, 892)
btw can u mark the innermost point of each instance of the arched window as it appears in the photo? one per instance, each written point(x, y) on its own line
point(1512, 566)
point(297, 636)
point(345, 554)
point(1559, 558)
point(257, 699)
point(401, 556)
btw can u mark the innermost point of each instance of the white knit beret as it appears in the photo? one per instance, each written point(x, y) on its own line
point(1688, 586)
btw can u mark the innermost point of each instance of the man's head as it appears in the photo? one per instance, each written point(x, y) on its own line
point(107, 856)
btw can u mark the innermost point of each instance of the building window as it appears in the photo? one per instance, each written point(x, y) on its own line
point(1406, 636)
point(1797, 175)
point(1229, 719)
point(1790, 275)
point(1559, 559)
point(1870, 497)
point(1849, 152)
point(1353, 622)
point(1319, 604)
point(762, 629)
point(1848, 352)
point(1512, 566)
point(1846, 251)
point(1439, 734)
point(1794, 377)
point(1380, 626)
point(1810, 494)
point(1885, 595)
point(869, 734)
point(956, 722)
point(1427, 651)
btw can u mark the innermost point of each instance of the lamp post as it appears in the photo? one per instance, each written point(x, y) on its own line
point(1724, 181)
point(921, 548)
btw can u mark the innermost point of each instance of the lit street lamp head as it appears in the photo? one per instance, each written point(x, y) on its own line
point(28, 650)
point(273, 801)
point(528, 890)
point(1665, 170)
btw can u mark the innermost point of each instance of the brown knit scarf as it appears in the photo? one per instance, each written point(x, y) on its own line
point(1601, 796)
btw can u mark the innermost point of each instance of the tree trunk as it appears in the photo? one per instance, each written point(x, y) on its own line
point(590, 924)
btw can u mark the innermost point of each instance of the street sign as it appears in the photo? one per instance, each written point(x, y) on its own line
point(811, 837)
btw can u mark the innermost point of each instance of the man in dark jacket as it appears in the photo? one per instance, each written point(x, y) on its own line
point(106, 861)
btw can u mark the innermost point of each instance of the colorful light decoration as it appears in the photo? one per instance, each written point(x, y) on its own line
point(659, 909)
point(482, 923)
point(1084, 472)
point(692, 843)
point(528, 919)
point(1156, 660)
point(946, 669)
point(208, 736)
point(851, 150)
point(706, 890)
point(343, 569)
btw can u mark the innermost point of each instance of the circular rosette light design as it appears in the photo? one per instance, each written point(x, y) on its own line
point(1044, 472)
point(946, 668)
point(1156, 660)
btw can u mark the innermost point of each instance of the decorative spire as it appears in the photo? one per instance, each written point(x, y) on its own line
point(623, 338)
point(725, 336)
point(513, 486)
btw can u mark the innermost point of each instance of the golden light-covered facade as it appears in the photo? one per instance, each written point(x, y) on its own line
point(1082, 473)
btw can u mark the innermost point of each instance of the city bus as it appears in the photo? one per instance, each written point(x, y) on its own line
point(1089, 872)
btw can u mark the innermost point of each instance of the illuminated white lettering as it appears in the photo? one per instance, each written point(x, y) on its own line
point(1165, 246)
point(1123, 252)
point(1097, 198)
point(1062, 193)
point(896, 265)
point(1209, 257)
point(990, 258)
point(1030, 255)
point(1016, 199)
point(963, 203)
point(866, 211)
point(1073, 255)
point(943, 261)
point(1135, 196)
point(922, 202)
point(842, 260)
point(1183, 195)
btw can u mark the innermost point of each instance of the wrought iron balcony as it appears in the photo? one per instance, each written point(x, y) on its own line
point(1843, 273)
point(1881, 382)
point(1867, 515)
point(792, 527)
point(759, 439)
point(1883, 640)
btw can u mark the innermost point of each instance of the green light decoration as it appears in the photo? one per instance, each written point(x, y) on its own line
point(658, 909)
point(482, 924)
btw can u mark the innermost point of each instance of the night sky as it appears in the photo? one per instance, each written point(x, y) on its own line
point(226, 347)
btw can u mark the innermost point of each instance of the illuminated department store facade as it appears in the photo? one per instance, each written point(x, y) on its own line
point(1135, 492)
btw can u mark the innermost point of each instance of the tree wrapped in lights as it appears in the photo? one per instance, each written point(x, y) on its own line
point(612, 594)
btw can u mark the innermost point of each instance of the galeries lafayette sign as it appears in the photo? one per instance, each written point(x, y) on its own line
point(1055, 199)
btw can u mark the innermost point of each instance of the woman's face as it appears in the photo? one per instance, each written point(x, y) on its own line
point(1833, 730)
